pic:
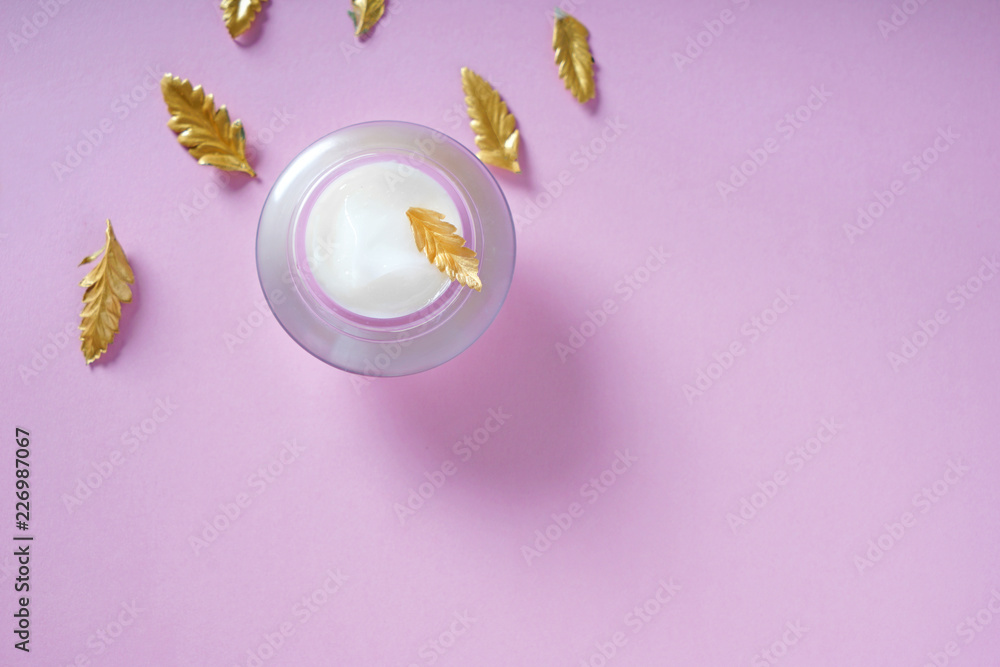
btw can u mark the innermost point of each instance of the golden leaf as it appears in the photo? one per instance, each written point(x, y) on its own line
point(494, 126)
point(206, 133)
point(446, 249)
point(239, 15)
point(366, 14)
point(576, 64)
point(107, 287)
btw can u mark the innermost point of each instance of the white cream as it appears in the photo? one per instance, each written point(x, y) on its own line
point(360, 244)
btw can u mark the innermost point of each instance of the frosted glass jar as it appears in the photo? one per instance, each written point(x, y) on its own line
point(338, 274)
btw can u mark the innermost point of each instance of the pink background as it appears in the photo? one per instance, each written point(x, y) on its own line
point(452, 584)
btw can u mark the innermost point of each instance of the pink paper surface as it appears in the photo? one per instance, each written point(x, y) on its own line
point(700, 444)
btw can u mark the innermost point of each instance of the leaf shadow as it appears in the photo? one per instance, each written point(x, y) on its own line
point(593, 105)
point(365, 36)
point(522, 180)
point(239, 180)
point(253, 33)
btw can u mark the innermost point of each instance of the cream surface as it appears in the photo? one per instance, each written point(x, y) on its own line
point(360, 244)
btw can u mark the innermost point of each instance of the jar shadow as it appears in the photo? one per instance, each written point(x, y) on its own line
point(516, 421)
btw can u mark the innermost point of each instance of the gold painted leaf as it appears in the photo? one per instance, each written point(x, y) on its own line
point(206, 133)
point(446, 249)
point(366, 14)
point(107, 287)
point(576, 64)
point(239, 15)
point(495, 127)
